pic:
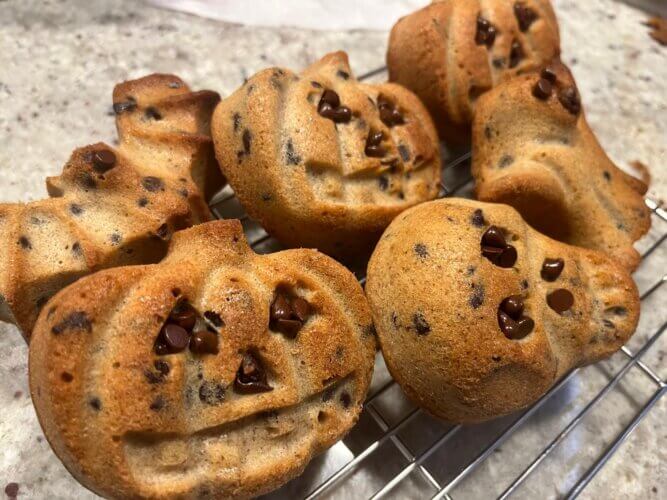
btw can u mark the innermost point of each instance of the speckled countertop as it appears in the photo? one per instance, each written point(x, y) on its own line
point(59, 61)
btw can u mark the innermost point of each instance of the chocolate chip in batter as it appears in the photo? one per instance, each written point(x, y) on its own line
point(95, 403)
point(496, 249)
point(247, 140)
point(477, 218)
point(204, 342)
point(421, 325)
point(157, 404)
point(211, 393)
point(330, 107)
point(75, 209)
point(383, 181)
point(236, 120)
point(288, 314)
point(525, 16)
point(606, 175)
point(542, 89)
point(477, 296)
point(128, 105)
point(421, 250)
point(549, 74)
point(505, 161)
point(551, 269)
point(511, 320)
point(569, 99)
point(404, 151)
point(183, 315)
point(516, 54)
point(172, 339)
point(76, 320)
point(251, 376)
point(486, 32)
point(345, 399)
point(560, 300)
point(389, 113)
point(25, 243)
point(214, 318)
point(152, 113)
point(152, 184)
point(374, 146)
point(103, 160)
point(291, 158)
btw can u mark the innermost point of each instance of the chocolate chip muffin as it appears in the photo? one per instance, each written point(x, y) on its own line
point(216, 373)
point(478, 315)
point(451, 52)
point(112, 206)
point(534, 150)
point(323, 161)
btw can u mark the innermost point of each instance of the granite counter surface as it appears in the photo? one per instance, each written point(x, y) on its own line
point(59, 61)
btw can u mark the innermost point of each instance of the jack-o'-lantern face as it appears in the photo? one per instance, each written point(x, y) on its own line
point(208, 369)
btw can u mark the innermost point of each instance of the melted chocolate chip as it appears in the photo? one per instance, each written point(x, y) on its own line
point(291, 158)
point(389, 113)
point(103, 160)
point(152, 184)
point(560, 300)
point(204, 342)
point(142, 202)
point(329, 107)
point(496, 249)
point(516, 54)
point(121, 107)
point(477, 296)
point(183, 315)
point(542, 89)
point(251, 376)
point(477, 218)
point(95, 403)
point(421, 250)
point(525, 16)
point(549, 74)
point(162, 367)
point(421, 325)
point(513, 306)
point(300, 309)
point(374, 147)
point(77, 320)
point(569, 99)
point(176, 338)
point(152, 113)
point(211, 393)
point(515, 329)
point(25, 243)
point(287, 315)
point(214, 318)
point(486, 32)
point(551, 269)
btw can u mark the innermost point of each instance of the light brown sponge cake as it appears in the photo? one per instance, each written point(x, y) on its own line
point(323, 161)
point(534, 150)
point(112, 206)
point(478, 315)
point(217, 373)
point(451, 52)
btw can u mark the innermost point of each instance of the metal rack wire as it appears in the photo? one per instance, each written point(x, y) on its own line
point(456, 181)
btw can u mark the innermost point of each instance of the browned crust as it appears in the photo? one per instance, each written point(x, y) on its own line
point(322, 198)
point(230, 447)
point(559, 177)
point(433, 53)
point(96, 220)
point(463, 369)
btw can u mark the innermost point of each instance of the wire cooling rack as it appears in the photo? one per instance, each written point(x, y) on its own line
point(397, 451)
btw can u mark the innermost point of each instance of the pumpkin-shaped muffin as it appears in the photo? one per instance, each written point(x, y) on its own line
point(534, 150)
point(216, 373)
point(478, 315)
point(451, 52)
point(112, 206)
point(323, 161)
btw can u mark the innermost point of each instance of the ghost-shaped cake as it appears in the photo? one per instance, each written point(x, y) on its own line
point(323, 161)
point(217, 373)
point(478, 315)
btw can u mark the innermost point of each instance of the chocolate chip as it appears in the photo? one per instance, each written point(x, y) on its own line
point(153, 377)
point(513, 306)
point(551, 269)
point(236, 120)
point(115, 238)
point(66, 377)
point(342, 74)
point(300, 309)
point(328, 394)
point(142, 202)
point(251, 376)
point(345, 399)
point(516, 54)
point(331, 98)
point(152, 114)
point(103, 160)
point(505, 161)
point(75, 209)
point(12, 490)
point(183, 315)
point(280, 308)
point(549, 74)
point(560, 300)
point(486, 32)
point(247, 139)
point(291, 158)
point(488, 132)
point(542, 89)
point(606, 175)
point(121, 107)
point(496, 249)
point(383, 181)
point(569, 99)
point(404, 152)
point(525, 16)
point(77, 320)
point(76, 249)
point(477, 218)
point(421, 250)
point(287, 315)
point(512, 329)
point(211, 393)
point(214, 318)
point(477, 297)
point(289, 327)
point(329, 107)
point(162, 367)
point(152, 184)
point(95, 403)
point(175, 337)
point(157, 404)
point(389, 113)
point(204, 342)
point(25, 243)
point(374, 147)
point(421, 325)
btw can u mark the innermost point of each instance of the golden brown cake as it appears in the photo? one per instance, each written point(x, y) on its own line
point(216, 373)
point(478, 315)
point(112, 206)
point(534, 150)
point(323, 161)
point(451, 52)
